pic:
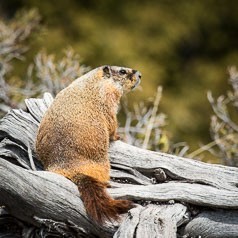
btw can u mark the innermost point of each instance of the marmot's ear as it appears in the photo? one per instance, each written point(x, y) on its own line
point(107, 71)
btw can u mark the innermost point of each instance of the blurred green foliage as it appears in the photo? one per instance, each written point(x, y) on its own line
point(185, 46)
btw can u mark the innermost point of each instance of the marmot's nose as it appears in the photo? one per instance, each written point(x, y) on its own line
point(137, 74)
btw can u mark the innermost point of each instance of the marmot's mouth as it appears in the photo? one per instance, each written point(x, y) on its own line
point(136, 84)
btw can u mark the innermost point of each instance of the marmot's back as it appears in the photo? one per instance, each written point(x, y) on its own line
point(74, 135)
point(71, 129)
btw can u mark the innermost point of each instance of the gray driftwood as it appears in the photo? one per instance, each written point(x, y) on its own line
point(176, 197)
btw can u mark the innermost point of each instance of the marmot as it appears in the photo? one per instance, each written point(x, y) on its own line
point(74, 135)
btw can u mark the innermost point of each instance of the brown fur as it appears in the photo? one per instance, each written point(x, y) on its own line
point(74, 135)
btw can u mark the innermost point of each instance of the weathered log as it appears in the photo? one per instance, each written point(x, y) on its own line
point(152, 221)
point(51, 201)
point(196, 194)
point(29, 195)
point(177, 168)
point(214, 224)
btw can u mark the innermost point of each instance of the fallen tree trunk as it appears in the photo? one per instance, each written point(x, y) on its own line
point(177, 197)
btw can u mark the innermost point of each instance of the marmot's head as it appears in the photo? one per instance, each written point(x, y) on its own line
point(126, 78)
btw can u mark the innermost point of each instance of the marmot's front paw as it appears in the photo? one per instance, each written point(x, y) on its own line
point(115, 137)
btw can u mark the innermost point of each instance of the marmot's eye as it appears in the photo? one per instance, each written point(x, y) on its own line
point(122, 71)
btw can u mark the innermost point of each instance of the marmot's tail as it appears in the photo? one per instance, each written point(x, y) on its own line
point(99, 205)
